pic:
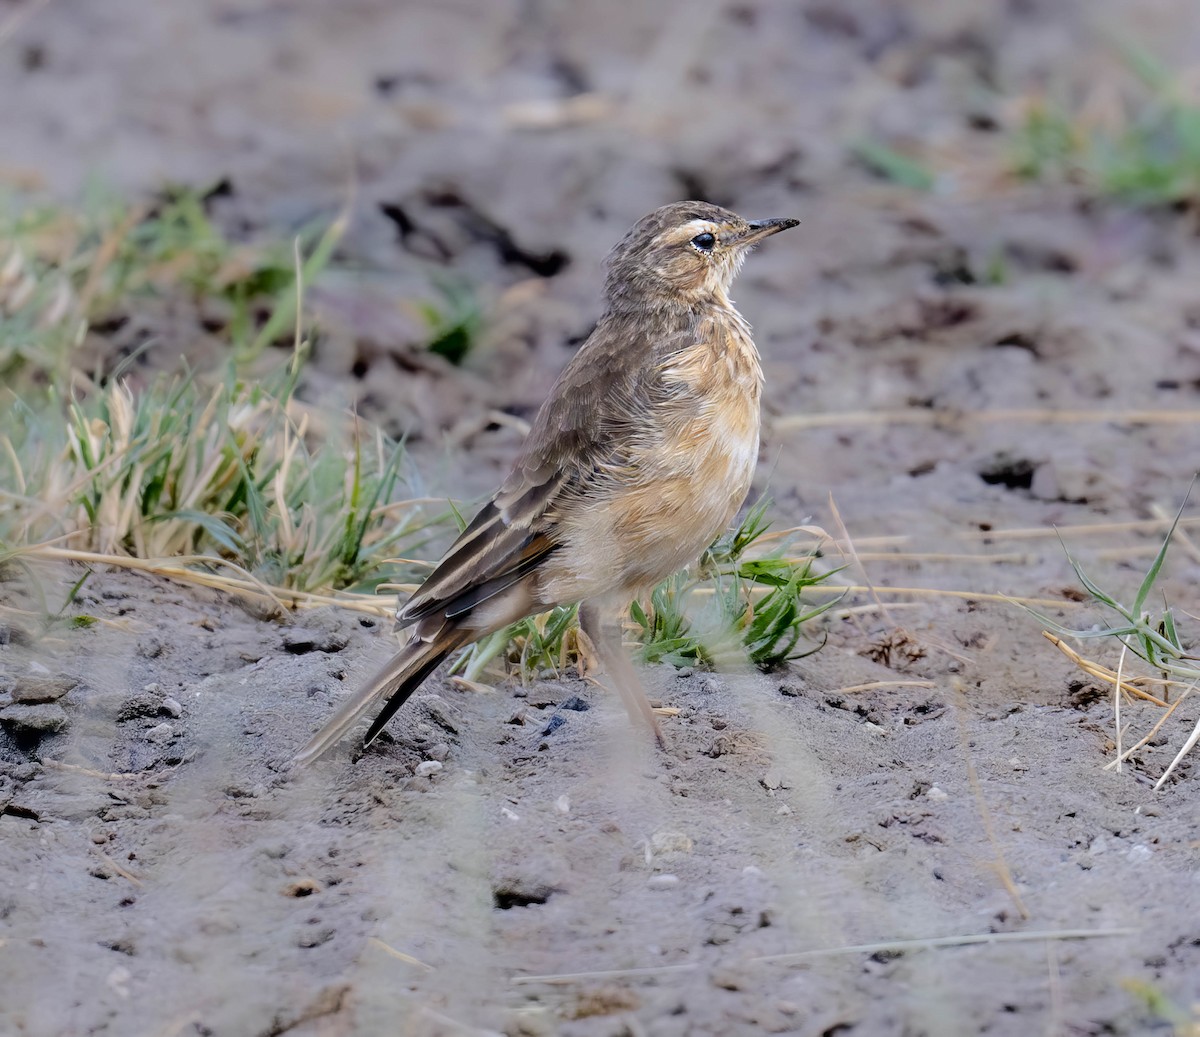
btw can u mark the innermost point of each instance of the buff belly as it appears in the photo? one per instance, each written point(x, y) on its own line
point(620, 545)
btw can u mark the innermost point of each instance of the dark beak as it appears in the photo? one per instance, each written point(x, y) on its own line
point(760, 229)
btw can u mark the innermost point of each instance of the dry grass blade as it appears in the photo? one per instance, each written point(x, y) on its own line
point(128, 876)
point(391, 951)
point(926, 417)
point(73, 768)
point(876, 685)
point(1152, 732)
point(1155, 525)
point(902, 946)
point(985, 814)
point(1187, 747)
point(245, 586)
point(943, 592)
point(578, 977)
point(1102, 672)
point(1117, 702)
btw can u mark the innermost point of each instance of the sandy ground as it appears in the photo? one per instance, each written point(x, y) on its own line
point(556, 875)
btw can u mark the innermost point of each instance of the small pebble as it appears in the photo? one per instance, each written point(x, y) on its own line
point(159, 734)
point(669, 842)
point(555, 723)
point(530, 1021)
point(563, 804)
point(663, 881)
point(727, 979)
point(171, 707)
point(428, 767)
point(774, 779)
point(438, 752)
point(933, 792)
point(1140, 852)
point(118, 980)
point(153, 688)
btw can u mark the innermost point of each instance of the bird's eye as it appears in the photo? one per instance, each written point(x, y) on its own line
point(704, 242)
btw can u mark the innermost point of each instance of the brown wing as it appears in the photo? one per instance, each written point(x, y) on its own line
point(577, 442)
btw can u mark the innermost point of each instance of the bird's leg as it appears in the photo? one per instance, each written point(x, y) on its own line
point(605, 636)
point(589, 657)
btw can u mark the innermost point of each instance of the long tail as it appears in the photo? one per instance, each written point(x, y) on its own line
point(398, 679)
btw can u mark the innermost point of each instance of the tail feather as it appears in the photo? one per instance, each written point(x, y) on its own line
point(395, 682)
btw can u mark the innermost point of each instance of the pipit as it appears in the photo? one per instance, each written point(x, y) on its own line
point(640, 456)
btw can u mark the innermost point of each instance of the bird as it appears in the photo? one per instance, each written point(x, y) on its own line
point(639, 457)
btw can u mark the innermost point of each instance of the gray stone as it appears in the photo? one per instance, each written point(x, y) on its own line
point(29, 688)
point(43, 717)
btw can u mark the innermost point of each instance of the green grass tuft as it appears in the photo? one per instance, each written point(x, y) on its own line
point(1147, 154)
point(63, 274)
point(893, 165)
point(454, 319)
point(1153, 638)
point(187, 468)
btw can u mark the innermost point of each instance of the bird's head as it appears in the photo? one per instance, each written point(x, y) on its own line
point(683, 254)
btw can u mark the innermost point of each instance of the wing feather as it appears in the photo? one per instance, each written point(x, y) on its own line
point(571, 455)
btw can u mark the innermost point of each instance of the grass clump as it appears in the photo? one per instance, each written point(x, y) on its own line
point(1152, 636)
point(187, 469)
point(1146, 153)
point(65, 274)
point(216, 469)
